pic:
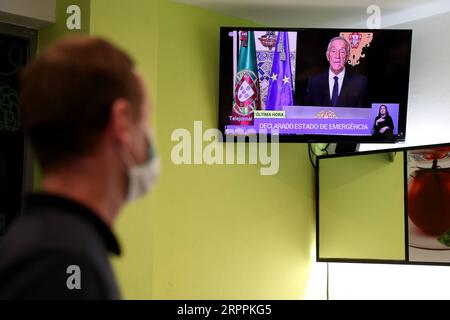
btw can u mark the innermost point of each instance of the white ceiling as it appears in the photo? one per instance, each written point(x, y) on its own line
point(324, 13)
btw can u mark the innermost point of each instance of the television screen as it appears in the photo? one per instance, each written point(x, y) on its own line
point(315, 85)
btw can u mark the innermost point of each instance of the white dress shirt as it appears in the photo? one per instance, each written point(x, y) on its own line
point(331, 76)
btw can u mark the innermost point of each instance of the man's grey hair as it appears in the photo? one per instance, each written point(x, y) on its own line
point(347, 45)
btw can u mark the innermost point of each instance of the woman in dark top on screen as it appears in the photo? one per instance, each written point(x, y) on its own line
point(383, 126)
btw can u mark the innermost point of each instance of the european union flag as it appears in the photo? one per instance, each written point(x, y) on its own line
point(280, 87)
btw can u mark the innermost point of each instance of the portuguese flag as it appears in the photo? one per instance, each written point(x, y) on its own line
point(246, 92)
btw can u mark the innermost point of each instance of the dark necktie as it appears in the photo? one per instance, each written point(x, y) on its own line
point(335, 95)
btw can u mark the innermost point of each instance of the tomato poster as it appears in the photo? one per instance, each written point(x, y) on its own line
point(428, 204)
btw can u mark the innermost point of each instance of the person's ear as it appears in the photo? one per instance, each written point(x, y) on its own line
point(121, 121)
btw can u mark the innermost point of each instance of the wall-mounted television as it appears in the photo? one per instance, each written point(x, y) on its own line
point(315, 85)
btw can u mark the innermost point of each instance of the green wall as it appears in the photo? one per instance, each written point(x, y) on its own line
point(206, 232)
point(362, 213)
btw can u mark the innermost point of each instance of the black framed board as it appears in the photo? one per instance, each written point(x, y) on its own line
point(384, 206)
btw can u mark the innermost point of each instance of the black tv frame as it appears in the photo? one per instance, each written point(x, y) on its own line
point(224, 63)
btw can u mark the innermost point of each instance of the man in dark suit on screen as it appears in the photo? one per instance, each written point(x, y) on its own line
point(337, 87)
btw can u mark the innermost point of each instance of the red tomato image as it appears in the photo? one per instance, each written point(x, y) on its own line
point(429, 200)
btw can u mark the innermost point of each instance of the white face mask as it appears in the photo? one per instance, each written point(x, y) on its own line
point(142, 177)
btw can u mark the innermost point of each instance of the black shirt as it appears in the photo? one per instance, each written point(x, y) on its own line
point(57, 249)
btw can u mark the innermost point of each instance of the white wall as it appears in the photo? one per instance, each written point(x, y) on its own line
point(29, 13)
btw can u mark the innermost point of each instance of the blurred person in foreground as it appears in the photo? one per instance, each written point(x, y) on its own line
point(86, 112)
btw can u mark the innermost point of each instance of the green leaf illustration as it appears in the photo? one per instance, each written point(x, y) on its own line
point(445, 238)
